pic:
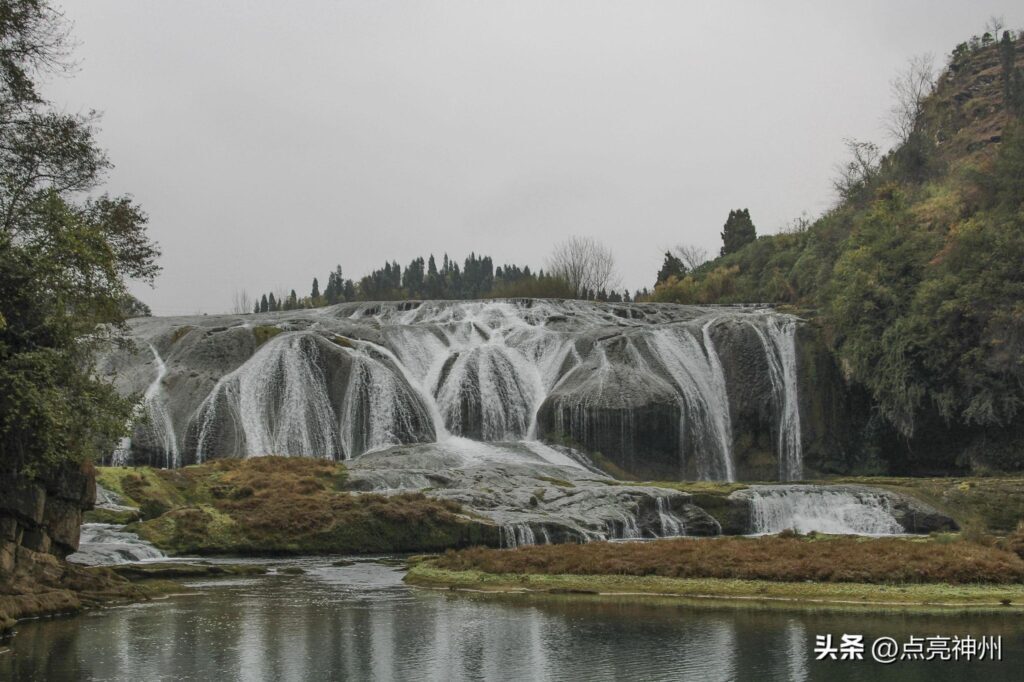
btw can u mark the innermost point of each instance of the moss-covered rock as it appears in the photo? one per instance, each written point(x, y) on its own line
point(287, 505)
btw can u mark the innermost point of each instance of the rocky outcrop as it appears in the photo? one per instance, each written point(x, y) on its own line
point(40, 522)
point(43, 515)
point(657, 390)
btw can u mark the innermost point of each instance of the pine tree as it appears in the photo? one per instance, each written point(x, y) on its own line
point(738, 231)
point(672, 267)
point(315, 293)
point(264, 304)
point(271, 303)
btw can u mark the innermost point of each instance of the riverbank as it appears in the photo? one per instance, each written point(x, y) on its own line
point(944, 571)
point(732, 592)
point(55, 587)
point(60, 587)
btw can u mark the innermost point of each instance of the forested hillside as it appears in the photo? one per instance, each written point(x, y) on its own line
point(916, 276)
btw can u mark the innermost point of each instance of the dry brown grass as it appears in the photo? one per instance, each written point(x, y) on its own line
point(295, 504)
point(775, 558)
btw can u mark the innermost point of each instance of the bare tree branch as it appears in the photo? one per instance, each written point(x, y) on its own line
point(241, 302)
point(693, 256)
point(585, 263)
point(910, 88)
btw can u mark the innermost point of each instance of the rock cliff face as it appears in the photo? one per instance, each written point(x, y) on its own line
point(43, 515)
point(40, 521)
point(654, 390)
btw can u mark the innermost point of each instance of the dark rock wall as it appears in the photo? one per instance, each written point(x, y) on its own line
point(42, 515)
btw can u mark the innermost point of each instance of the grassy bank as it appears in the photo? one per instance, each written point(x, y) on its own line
point(283, 505)
point(793, 571)
point(781, 558)
point(1004, 598)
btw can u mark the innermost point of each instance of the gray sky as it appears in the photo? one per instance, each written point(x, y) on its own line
point(270, 141)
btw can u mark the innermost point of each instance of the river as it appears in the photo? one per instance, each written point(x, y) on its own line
point(362, 622)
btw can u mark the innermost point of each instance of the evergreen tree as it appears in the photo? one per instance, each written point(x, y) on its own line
point(264, 304)
point(293, 301)
point(738, 231)
point(256, 307)
point(271, 303)
point(315, 292)
point(671, 267)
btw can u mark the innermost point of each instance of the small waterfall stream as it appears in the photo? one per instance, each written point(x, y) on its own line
point(822, 509)
point(159, 418)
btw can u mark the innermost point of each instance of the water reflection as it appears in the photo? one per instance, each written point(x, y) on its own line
point(360, 622)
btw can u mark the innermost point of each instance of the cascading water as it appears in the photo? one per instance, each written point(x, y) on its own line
point(339, 382)
point(103, 544)
point(277, 403)
point(816, 508)
point(779, 342)
point(517, 535)
point(671, 525)
point(159, 418)
point(697, 374)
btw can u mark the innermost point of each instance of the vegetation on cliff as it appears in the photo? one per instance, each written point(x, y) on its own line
point(284, 505)
point(915, 275)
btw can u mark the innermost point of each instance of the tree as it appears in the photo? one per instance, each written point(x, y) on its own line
point(909, 89)
point(241, 302)
point(995, 25)
point(264, 304)
point(856, 175)
point(692, 256)
point(64, 261)
point(315, 291)
point(584, 263)
point(672, 266)
point(738, 231)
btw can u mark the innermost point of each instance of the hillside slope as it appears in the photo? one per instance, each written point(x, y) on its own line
point(916, 277)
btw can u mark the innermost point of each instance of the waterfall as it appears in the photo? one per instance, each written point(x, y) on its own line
point(826, 510)
point(518, 535)
point(102, 544)
point(779, 344)
point(379, 409)
point(489, 393)
point(339, 382)
point(122, 453)
point(277, 403)
point(697, 373)
point(159, 419)
point(671, 525)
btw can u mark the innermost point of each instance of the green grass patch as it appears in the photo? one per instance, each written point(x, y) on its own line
point(264, 333)
point(695, 487)
point(557, 482)
point(1005, 598)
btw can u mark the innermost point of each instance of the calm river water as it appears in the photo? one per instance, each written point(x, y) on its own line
point(362, 623)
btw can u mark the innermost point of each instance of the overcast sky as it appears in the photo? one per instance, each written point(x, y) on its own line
point(269, 141)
